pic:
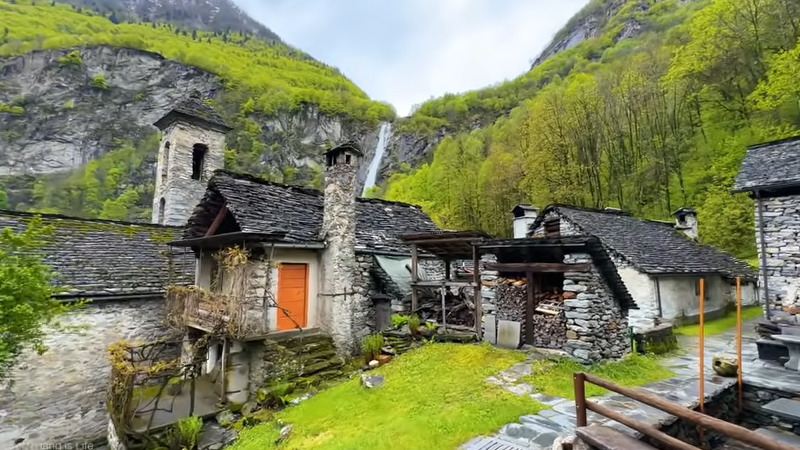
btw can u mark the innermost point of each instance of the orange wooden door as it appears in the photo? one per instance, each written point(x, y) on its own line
point(292, 296)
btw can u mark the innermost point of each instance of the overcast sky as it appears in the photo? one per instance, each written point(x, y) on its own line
point(406, 51)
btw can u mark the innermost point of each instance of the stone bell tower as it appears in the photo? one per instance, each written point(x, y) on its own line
point(192, 147)
point(340, 302)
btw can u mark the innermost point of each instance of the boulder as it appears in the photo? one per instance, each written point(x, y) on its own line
point(724, 365)
point(371, 381)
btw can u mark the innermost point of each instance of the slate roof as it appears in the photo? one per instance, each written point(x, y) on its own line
point(261, 206)
point(770, 165)
point(98, 258)
point(193, 109)
point(651, 247)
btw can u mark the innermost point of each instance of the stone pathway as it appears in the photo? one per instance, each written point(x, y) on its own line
point(540, 430)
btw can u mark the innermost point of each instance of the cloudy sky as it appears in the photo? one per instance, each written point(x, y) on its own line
point(406, 51)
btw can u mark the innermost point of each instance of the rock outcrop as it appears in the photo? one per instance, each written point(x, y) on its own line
point(72, 110)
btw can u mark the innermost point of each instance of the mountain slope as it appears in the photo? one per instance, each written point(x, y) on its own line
point(76, 86)
point(649, 112)
point(211, 15)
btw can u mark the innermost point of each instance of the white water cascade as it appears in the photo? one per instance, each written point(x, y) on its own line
point(380, 149)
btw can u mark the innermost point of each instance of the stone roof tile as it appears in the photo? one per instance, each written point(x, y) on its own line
point(770, 165)
point(96, 258)
point(650, 246)
point(260, 206)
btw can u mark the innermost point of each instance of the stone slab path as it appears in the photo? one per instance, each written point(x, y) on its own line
point(540, 430)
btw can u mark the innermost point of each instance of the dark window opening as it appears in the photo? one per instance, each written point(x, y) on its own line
point(552, 228)
point(161, 210)
point(165, 163)
point(198, 160)
point(347, 159)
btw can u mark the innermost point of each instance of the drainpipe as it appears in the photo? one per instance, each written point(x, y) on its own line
point(658, 299)
point(763, 268)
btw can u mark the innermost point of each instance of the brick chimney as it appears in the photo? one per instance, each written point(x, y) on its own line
point(686, 222)
point(339, 301)
point(524, 215)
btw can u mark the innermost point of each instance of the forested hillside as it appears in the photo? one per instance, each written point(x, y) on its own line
point(282, 104)
point(647, 121)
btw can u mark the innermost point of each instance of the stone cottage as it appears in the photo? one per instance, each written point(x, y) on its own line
point(770, 173)
point(122, 268)
point(312, 256)
point(561, 293)
point(660, 263)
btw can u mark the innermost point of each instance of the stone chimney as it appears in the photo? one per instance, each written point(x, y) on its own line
point(686, 222)
point(524, 215)
point(339, 301)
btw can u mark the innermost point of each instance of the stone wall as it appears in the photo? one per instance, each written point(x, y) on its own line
point(174, 181)
point(365, 286)
point(781, 223)
point(304, 362)
point(596, 327)
point(755, 417)
point(60, 396)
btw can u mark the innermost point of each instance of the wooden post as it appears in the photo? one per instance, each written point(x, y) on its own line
point(476, 278)
point(579, 384)
point(447, 270)
point(529, 309)
point(223, 369)
point(739, 340)
point(444, 307)
point(701, 350)
point(414, 277)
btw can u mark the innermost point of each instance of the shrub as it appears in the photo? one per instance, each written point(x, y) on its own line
point(99, 82)
point(413, 323)
point(371, 346)
point(398, 320)
point(431, 325)
point(185, 433)
point(73, 58)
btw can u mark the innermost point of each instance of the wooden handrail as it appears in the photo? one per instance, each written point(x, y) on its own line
point(712, 423)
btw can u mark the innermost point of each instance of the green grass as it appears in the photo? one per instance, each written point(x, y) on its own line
point(754, 262)
point(555, 377)
point(721, 324)
point(433, 397)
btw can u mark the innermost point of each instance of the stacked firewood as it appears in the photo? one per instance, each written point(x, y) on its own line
point(550, 331)
point(459, 305)
point(549, 323)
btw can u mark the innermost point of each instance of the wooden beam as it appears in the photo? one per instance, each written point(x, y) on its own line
point(217, 220)
point(539, 267)
point(476, 278)
point(529, 288)
point(436, 284)
point(447, 269)
point(414, 277)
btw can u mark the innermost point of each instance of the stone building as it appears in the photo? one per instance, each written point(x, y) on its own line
point(313, 257)
point(192, 147)
point(660, 263)
point(122, 268)
point(770, 173)
point(562, 293)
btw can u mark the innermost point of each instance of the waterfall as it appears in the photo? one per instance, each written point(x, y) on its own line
point(380, 149)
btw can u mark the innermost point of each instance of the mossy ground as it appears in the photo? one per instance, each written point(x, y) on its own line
point(555, 377)
point(433, 397)
point(721, 324)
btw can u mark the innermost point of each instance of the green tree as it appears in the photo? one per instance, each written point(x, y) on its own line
point(26, 303)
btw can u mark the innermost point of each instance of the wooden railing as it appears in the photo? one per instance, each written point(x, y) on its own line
point(701, 420)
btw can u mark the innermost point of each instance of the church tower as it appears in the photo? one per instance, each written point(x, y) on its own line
point(192, 147)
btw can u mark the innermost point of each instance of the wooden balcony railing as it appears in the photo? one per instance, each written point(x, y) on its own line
point(720, 426)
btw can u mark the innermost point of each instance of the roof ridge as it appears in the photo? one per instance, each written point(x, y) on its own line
point(9, 212)
point(304, 189)
point(612, 212)
point(773, 142)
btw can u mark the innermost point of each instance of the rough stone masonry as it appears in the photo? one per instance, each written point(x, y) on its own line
point(596, 327)
point(781, 222)
point(60, 396)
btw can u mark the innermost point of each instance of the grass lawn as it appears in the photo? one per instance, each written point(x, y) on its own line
point(722, 324)
point(433, 397)
point(555, 377)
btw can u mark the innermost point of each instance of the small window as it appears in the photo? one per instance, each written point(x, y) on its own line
point(198, 161)
point(162, 206)
point(165, 163)
point(347, 159)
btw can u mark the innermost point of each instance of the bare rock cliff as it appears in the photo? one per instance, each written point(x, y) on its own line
point(72, 113)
